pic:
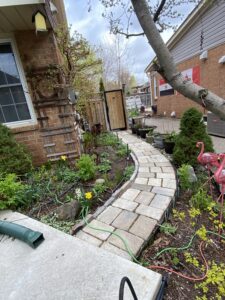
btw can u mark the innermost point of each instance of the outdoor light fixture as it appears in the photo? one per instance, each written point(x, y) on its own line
point(39, 20)
point(222, 60)
point(204, 55)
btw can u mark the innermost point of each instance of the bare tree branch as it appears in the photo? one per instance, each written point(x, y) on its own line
point(127, 35)
point(158, 11)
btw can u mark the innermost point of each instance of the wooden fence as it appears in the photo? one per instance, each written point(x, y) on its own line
point(95, 109)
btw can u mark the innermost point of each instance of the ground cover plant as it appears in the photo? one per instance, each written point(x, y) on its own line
point(59, 193)
point(188, 244)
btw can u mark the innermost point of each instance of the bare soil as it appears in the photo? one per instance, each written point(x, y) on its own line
point(178, 287)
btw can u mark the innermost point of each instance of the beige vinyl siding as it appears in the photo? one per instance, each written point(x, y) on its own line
point(212, 22)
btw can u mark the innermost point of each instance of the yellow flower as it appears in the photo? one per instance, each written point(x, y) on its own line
point(88, 195)
point(63, 157)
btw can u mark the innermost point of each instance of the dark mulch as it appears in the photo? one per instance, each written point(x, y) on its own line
point(180, 288)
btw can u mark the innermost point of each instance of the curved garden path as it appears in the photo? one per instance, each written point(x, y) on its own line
point(134, 211)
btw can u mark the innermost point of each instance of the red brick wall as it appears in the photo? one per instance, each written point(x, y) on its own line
point(212, 77)
point(39, 51)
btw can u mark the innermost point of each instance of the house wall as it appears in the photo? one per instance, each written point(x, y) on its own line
point(212, 77)
point(207, 32)
point(55, 133)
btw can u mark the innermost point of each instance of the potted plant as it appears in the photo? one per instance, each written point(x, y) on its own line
point(138, 127)
point(144, 131)
point(133, 129)
point(169, 142)
point(159, 140)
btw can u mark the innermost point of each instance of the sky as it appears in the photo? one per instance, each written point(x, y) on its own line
point(96, 30)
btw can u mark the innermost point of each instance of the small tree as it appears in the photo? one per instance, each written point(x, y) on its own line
point(14, 158)
point(192, 130)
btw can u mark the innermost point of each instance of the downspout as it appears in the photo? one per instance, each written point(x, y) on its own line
point(30, 237)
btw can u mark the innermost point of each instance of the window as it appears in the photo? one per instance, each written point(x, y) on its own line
point(155, 88)
point(13, 102)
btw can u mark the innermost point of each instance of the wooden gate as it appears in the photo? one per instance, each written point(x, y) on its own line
point(115, 109)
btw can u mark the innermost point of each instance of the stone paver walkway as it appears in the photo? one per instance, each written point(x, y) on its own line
point(136, 210)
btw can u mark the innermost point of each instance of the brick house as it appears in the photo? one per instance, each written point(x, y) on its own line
point(198, 48)
point(40, 116)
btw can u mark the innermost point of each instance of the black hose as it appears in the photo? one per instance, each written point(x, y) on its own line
point(121, 291)
point(30, 237)
point(164, 284)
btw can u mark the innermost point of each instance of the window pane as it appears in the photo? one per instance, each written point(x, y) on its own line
point(8, 69)
point(23, 111)
point(10, 113)
point(18, 94)
point(5, 96)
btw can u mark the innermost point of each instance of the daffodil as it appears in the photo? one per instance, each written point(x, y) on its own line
point(88, 195)
point(63, 157)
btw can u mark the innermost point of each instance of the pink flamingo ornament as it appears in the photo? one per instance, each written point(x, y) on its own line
point(219, 177)
point(208, 160)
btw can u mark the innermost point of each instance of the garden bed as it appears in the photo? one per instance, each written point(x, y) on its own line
point(195, 213)
point(87, 182)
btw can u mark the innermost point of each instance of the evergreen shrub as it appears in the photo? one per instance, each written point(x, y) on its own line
point(192, 130)
point(14, 158)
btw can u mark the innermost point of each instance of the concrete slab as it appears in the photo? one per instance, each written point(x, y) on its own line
point(64, 267)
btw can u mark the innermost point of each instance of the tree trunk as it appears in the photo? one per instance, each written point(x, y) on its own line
point(167, 67)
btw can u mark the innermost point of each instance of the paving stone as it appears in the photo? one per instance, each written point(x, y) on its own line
point(159, 158)
point(143, 170)
point(141, 180)
point(166, 175)
point(97, 233)
point(124, 220)
point(155, 169)
point(145, 197)
point(109, 214)
point(143, 159)
point(154, 181)
point(151, 212)
point(161, 202)
point(168, 169)
point(130, 194)
point(149, 164)
point(125, 204)
point(146, 175)
point(115, 250)
point(169, 183)
point(141, 187)
point(143, 227)
point(133, 241)
point(163, 164)
point(163, 191)
point(88, 238)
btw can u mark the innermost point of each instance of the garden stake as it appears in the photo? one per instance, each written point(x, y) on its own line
point(219, 177)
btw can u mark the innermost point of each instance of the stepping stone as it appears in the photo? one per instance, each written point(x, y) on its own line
point(125, 220)
point(145, 197)
point(143, 227)
point(125, 204)
point(130, 194)
point(102, 235)
point(151, 212)
point(133, 241)
point(109, 214)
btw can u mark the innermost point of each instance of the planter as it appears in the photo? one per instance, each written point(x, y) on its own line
point(169, 146)
point(149, 138)
point(134, 130)
point(159, 141)
point(144, 131)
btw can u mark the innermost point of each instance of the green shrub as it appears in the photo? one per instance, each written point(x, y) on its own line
point(107, 139)
point(14, 158)
point(11, 191)
point(128, 172)
point(201, 200)
point(192, 130)
point(86, 166)
point(184, 175)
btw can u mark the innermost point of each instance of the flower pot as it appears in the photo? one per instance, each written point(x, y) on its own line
point(149, 138)
point(159, 141)
point(169, 146)
point(146, 130)
point(134, 130)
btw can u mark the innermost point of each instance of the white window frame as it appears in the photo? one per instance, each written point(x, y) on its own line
point(33, 119)
point(155, 87)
